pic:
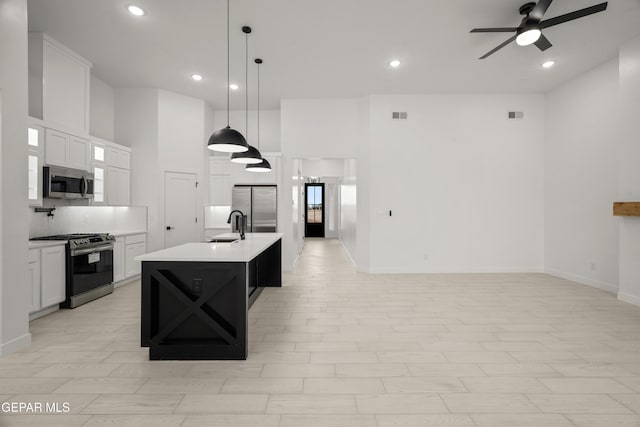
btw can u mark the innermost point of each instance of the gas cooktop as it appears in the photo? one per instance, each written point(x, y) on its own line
point(69, 236)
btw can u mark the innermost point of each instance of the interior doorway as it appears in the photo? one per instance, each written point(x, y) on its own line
point(314, 210)
point(180, 217)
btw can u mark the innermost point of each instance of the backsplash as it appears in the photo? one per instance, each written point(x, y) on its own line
point(88, 219)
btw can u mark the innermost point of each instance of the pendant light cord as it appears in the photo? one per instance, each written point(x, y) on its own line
point(246, 85)
point(258, 140)
point(228, 65)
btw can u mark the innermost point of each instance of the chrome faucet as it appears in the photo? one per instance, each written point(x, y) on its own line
point(241, 222)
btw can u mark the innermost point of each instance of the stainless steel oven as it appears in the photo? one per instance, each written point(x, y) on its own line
point(65, 183)
point(89, 266)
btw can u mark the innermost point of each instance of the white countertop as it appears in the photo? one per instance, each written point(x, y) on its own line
point(37, 244)
point(240, 251)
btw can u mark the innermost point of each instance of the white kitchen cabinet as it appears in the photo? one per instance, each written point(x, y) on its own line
point(59, 84)
point(33, 286)
point(52, 267)
point(220, 190)
point(118, 186)
point(118, 260)
point(65, 150)
point(119, 158)
point(134, 246)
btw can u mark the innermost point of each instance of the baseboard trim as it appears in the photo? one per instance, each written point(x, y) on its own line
point(44, 312)
point(126, 281)
point(628, 298)
point(583, 280)
point(15, 344)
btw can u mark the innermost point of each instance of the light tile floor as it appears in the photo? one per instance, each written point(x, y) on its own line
point(334, 347)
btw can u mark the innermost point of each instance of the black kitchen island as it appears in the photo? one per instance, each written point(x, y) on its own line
point(196, 296)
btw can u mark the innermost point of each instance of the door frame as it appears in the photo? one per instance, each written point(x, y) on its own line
point(306, 206)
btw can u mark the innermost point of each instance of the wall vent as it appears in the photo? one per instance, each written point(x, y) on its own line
point(399, 115)
point(516, 115)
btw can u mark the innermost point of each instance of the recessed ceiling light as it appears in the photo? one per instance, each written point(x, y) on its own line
point(135, 10)
point(548, 64)
point(196, 77)
point(395, 63)
point(234, 86)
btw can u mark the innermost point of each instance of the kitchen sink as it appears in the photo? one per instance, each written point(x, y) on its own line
point(223, 240)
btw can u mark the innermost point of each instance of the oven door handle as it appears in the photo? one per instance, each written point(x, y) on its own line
point(102, 248)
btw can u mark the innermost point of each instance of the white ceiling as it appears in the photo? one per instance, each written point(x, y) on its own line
point(329, 48)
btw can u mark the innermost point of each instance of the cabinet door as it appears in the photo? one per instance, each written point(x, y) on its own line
point(220, 190)
point(52, 264)
point(118, 260)
point(33, 287)
point(112, 186)
point(112, 156)
point(133, 267)
point(123, 185)
point(79, 153)
point(124, 159)
point(55, 151)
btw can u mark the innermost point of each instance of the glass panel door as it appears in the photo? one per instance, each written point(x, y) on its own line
point(314, 221)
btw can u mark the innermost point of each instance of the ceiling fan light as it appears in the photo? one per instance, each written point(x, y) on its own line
point(227, 140)
point(529, 36)
point(249, 157)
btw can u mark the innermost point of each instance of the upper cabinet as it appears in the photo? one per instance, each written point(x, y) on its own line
point(59, 84)
point(66, 150)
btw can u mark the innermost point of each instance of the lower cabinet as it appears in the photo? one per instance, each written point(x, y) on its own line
point(33, 291)
point(118, 260)
point(52, 268)
point(125, 249)
point(46, 268)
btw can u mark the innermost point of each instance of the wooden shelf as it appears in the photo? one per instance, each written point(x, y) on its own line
point(626, 208)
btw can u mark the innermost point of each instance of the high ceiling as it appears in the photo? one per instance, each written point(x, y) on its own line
point(329, 48)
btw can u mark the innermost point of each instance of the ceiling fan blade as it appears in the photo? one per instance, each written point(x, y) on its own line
point(543, 43)
point(574, 15)
point(500, 46)
point(539, 10)
point(495, 30)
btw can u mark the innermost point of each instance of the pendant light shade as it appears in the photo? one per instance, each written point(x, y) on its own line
point(252, 155)
point(227, 140)
point(264, 165)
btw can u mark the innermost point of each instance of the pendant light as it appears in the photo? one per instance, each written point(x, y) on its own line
point(251, 156)
point(264, 165)
point(227, 140)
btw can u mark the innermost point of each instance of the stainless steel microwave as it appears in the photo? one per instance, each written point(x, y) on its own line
point(65, 183)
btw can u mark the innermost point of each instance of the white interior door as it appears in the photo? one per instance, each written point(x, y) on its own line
point(180, 216)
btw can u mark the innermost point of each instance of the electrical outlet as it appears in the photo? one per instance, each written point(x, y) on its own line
point(196, 287)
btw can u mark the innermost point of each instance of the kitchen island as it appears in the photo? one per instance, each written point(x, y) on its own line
point(196, 296)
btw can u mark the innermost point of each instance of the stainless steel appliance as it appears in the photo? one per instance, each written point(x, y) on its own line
point(65, 183)
point(260, 204)
point(89, 266)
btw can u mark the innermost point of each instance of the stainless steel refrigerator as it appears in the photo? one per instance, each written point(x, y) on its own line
point(260, 204)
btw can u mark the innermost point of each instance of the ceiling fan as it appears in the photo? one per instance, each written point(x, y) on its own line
point(530, 29)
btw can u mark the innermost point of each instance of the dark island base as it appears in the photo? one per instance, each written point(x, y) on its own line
point(198, 310)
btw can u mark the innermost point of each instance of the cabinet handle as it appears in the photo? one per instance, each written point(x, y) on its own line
point(169, 228)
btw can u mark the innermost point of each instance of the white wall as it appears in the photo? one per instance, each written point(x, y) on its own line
point(14, 322)
point(348, 208)
point(629, 172)
point(136, 126)
point(101, 109)
point(581, 178)
point(323, 167)
point(269, 127)
point(464, 183)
